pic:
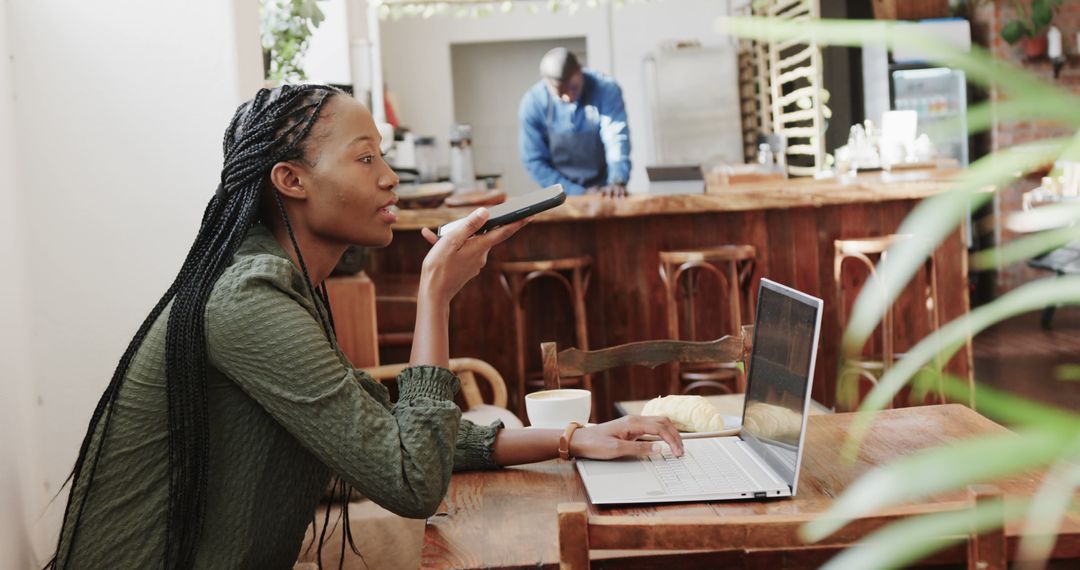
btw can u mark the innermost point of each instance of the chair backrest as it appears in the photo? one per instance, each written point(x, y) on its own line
point(572, 362)
point(467, 370)
point(580, 532)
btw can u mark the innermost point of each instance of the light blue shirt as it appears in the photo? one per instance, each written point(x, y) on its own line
point(599, 109)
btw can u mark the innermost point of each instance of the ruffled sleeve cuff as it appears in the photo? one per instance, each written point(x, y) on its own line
point(475, 446)
point(427, 382)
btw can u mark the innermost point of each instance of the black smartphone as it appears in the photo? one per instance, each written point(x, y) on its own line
point(516, 208)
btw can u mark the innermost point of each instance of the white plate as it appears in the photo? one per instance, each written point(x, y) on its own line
point(732, 425)
point(590, 424)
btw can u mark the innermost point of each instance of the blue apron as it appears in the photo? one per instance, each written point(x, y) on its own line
point(578, 156)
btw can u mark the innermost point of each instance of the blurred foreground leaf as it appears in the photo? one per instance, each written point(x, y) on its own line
point(912, 539)
point(941, 469)
point(946, 341)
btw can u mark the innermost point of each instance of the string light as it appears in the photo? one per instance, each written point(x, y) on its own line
point(397, 9)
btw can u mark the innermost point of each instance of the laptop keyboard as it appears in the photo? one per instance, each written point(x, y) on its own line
point(701, 472)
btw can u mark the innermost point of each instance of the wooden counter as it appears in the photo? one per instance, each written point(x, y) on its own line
point(795, 193)
point(792, 225)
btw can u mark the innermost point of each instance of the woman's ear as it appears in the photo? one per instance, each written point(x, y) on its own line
point(287, 179)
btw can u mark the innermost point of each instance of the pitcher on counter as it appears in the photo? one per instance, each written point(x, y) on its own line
point(573, 129)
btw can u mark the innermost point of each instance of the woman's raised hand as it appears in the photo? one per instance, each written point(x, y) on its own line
point(459, 255)
point(615, 439)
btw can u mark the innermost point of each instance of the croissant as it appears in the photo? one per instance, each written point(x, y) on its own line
point(688, 413)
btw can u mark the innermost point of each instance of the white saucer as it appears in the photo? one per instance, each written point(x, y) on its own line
point(589, 424)
point(732, 426)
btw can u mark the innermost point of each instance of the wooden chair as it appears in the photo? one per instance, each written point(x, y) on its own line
point(468, 370)
point(680, 271)
point(864, 251)
point(574, 363)
point(573, 274)
point(352, 298)
point(756, 535)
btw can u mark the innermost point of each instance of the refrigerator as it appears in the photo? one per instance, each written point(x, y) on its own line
point(901, 80)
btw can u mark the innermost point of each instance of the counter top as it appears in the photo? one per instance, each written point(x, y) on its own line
point(794, 193)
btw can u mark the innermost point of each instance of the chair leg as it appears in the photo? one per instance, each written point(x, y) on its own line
point(573, 536)
point(581, 326)
point(670, 290)
point(1047, 317)
point(519, 337)
point(988, 551)
point(735, 292)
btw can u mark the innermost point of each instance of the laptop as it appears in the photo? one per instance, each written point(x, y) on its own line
point(763, 460)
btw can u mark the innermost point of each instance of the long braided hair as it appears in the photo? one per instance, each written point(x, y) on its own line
point(272, 127)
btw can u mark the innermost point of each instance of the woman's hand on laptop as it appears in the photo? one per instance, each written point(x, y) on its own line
point(616, 438)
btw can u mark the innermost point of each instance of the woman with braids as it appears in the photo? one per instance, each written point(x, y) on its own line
point(233, 406)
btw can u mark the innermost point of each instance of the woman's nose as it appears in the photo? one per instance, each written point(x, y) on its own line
point(389, 180)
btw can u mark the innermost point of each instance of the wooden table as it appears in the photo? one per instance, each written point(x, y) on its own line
point(507, 518)
point(792, 225)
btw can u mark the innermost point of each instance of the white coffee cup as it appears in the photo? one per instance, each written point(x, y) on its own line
point(557, 408)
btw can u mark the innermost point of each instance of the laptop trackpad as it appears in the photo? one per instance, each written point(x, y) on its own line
point(624, 466)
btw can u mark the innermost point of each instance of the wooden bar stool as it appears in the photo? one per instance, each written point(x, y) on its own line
point(573, 273)
point(732, 265)
point(864, 250)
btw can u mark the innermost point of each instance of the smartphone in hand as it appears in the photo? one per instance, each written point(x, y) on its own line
point(516, 208)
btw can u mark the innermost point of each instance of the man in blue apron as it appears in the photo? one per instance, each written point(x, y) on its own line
point(573, 129)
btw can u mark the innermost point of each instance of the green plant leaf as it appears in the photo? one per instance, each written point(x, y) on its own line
point(1010, 410)
point(905, 542)
point(902, 543)
point(1052, 216)
point(1041, 14)
point(944, 342)
point(1013, 31)
point(1068, 372)
point(941, 469)
point(1048, 508)
point(932, 220)
point(983, 116)
point(1024, 248)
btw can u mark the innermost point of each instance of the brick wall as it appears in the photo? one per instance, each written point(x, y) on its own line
point(987, 21)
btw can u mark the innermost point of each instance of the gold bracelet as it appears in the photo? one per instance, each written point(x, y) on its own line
point(564, 440)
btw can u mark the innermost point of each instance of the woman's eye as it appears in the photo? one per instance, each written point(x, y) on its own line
point(367, 159)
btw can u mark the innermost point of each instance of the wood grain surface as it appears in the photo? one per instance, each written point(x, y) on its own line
point(792, 193)
point(508, 518)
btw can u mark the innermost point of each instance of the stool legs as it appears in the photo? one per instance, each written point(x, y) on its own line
point(512, 284)
point(579, 284)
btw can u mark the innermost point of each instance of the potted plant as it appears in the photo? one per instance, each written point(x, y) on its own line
point(286, 29)
point(1029, 27)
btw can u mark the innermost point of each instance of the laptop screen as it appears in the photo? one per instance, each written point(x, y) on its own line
point(781, 366)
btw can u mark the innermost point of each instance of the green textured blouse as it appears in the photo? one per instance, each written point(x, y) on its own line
point(287, 410)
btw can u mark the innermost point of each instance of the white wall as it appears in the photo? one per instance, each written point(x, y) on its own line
point(416, 55)
point(639, 29)
point(327, 57)
point(18, 463)
point(119, 110)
